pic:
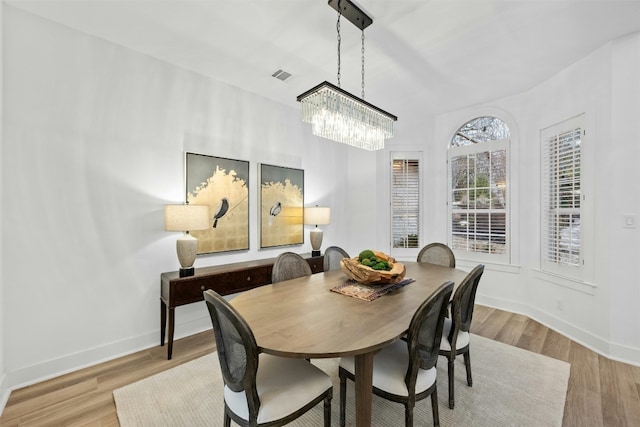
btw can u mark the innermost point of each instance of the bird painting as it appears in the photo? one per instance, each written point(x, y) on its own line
point(274, 211)
point(222, 209)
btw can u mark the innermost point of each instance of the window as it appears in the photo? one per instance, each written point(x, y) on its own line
point(478, 203)
point(405, 201)
point(561, 192)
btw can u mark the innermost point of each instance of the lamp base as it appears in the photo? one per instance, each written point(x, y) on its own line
point(315, 236)
point(187, 248)
point(186, 272)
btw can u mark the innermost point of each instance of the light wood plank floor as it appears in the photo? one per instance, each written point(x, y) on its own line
point(601, 392)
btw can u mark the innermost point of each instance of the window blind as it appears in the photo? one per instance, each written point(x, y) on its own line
point(561, 196)
point(479, 202)
point(405, 203)
point(478, 182)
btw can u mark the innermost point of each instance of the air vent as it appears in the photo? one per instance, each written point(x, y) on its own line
point(281, 75)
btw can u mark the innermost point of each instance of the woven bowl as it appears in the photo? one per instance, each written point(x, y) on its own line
point(367, 275)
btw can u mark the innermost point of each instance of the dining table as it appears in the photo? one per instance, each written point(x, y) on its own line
point(303, 318)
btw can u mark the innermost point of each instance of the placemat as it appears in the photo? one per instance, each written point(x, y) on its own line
point(368, 292)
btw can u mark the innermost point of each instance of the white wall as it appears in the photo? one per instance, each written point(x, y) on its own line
point(3, 385)
point(578, 310)
point(624, 174)
point(603, 312)
point(94, 136)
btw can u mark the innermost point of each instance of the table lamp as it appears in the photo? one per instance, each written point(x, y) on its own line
point(186, 218)
point(316, 216)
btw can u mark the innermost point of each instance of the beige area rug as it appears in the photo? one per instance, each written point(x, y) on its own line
point(511, 387)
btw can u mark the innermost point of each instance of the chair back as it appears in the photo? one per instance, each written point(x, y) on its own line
point(236, 347)
point(332, 257)
point(437, 253)
point(463, 302)
point(288, 266)
point(425, 332)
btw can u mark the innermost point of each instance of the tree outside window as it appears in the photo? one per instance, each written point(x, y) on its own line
point(478, 160)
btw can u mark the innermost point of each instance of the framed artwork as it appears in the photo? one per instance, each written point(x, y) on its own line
point(281, 206)
point(223, 185)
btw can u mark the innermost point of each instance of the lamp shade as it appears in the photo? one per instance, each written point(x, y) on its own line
point(186, 217)
point(317, 215)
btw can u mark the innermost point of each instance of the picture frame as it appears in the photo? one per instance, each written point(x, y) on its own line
point(281, 206)
point(223, 185)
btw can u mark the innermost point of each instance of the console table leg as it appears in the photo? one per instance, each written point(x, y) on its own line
point(171, 328)
point(163, 321)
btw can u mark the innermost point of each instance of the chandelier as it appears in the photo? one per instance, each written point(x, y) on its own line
point(338, 115)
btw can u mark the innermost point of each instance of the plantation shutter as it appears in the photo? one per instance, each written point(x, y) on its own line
point(405, 203)
point(561, 197)
point(478, 204)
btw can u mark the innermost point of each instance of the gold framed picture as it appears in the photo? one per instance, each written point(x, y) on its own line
point(223, 185)
point(281, 206)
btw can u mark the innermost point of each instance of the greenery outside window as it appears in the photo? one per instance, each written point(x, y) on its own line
point(478, 204)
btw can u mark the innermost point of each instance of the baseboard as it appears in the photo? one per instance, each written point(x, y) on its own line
point(93, 356)
point(618, 352)
point(625, 353)
point(4, 393)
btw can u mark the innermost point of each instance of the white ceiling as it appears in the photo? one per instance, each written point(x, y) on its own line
point(433, 56)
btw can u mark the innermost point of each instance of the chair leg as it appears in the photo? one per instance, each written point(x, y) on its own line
point(467, 364)
point(408, 414)
point(451, 379)
point(227, 420)
point(327, 411)
point(343, 399)
point(434, 408)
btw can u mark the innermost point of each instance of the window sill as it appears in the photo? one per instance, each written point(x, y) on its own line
point(491, 266)
point(567, 282)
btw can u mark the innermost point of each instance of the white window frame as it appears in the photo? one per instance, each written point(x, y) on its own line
point(558, 245)
point(403, 252)
point(481, 147)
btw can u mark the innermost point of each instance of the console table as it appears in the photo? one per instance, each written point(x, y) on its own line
point(224, 279)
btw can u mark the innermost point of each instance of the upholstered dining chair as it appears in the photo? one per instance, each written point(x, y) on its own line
point(332, 257)
point(396, 368)
point(456, 328)
point(437, 253)
point(261, 389)
point(289, 265)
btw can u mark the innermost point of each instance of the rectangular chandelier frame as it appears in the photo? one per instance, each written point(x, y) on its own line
point(341, 116)
point(343, 92)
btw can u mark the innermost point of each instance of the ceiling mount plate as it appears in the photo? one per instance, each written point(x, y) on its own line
point(352, 12)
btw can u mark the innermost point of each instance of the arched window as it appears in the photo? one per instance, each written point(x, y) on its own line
point(478, 203)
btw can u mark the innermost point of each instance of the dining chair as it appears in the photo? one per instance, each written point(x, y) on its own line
point(289, 265)
point(437, 253)
point(456, 328)
point(396, 368)
point(261, 389)
point(332, 257)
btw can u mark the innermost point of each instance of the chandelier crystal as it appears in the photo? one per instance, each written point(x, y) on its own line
point(338, 115)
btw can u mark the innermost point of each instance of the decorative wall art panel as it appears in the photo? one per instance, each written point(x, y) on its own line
point(281, 206)
point(223, 185)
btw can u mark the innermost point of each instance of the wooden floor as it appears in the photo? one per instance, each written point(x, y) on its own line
point(601, 392)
